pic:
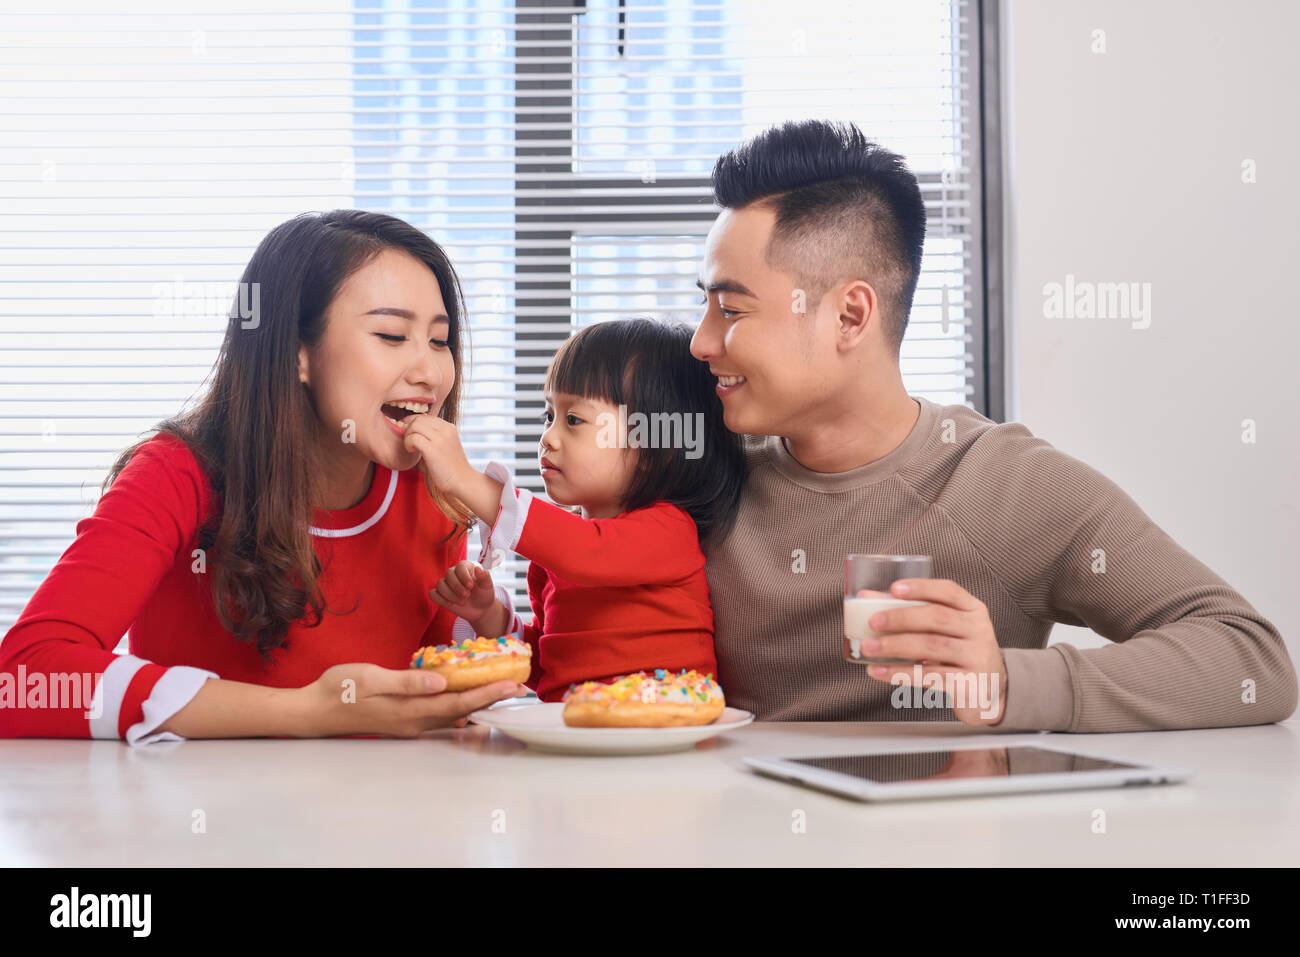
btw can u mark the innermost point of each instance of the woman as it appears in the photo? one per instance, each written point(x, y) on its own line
point(272, 551)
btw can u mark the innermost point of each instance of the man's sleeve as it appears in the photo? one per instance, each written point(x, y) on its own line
point(1072, 547)
point(63, 642)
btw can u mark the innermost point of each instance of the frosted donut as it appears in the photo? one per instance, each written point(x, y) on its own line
point(477, 661)
point(641, 700)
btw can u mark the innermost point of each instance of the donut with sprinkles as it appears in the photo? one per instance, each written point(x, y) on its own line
point(477, 661)
point(645, 700)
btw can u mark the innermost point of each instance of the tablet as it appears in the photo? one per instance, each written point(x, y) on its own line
point(901, 775)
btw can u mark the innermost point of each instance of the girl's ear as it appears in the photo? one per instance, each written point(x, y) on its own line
point(303, 368)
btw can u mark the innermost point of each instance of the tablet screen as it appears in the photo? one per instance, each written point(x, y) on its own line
point(964, 763)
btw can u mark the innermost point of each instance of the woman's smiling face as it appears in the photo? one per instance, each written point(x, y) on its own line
point(385, 341)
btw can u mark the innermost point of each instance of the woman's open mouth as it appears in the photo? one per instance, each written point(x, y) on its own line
point(396, 413)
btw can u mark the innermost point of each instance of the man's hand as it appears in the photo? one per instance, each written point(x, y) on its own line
point(951, 638)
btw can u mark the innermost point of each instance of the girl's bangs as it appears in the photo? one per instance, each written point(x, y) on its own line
point(589, 365)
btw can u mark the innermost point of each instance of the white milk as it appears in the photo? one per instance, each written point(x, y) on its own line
point(857, 614)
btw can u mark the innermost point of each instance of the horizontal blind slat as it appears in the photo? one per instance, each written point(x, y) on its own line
point(459, 134)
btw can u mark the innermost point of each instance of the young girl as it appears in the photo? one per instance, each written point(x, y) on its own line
point(634, 438)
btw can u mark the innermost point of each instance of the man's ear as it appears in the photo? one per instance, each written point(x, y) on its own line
point(303, 368)
point(858, 310)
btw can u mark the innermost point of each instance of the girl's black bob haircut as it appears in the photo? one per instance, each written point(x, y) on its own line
point(646, 365)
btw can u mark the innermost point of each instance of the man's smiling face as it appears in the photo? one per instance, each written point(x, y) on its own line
point(775, 365)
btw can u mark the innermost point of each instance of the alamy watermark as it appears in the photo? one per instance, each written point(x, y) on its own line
point(129, 911)
point(936, 691)
point(658, 430)
point(241, 300)
point(57, 690)
point(1098, 300)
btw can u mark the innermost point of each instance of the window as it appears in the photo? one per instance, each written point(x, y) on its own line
point(559, 151)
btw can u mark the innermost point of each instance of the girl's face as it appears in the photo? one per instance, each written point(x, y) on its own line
point(385, 341)
point(589, 469)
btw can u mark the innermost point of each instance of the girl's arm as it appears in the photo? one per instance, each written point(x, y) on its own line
point(470, 604)
point(658, 544)
point(496, 621)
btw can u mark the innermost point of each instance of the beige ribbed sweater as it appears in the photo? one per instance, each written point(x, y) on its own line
point(1016, 523)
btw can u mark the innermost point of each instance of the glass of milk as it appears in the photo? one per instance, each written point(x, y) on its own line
point(867, 579)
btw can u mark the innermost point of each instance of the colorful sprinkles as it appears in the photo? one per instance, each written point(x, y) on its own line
point(471, 649)
point(685, 687)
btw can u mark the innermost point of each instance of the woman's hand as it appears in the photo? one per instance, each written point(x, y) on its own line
point(953, 641)
point(363, 698)
point(466, 591)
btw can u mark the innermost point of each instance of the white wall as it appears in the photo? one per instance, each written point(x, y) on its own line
point(1127, 166)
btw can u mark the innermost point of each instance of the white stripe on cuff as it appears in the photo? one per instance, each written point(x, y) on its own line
point(173, 691)
point(106, 705)
point(462, 630)
point(510, 519)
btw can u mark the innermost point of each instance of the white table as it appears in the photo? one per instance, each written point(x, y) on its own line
point(474, 797)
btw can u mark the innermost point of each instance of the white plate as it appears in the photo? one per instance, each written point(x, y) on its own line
point(541, 726)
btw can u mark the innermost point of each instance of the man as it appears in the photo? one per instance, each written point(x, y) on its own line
point(809, 273)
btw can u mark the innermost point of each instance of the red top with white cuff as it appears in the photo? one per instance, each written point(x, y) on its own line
point(135, 565)
point(610, 596)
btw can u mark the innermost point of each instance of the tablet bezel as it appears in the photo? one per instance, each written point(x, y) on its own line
point(845, 785)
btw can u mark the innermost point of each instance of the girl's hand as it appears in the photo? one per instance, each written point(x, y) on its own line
point(363, 698)
point(466, 591)
point(443, 460)
point(445, 467)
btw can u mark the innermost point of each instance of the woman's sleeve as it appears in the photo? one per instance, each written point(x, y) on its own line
point(655, 545)
point(59, 675)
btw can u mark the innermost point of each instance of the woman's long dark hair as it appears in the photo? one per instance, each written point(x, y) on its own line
point(253, 432)
point(647, 366)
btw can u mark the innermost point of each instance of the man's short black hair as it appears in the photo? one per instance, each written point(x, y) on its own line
point(846, 208)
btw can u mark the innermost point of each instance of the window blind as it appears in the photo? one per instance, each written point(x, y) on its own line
point(559, 151)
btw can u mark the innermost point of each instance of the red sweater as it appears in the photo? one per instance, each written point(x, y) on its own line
point(130, 566)
point(610, 595)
